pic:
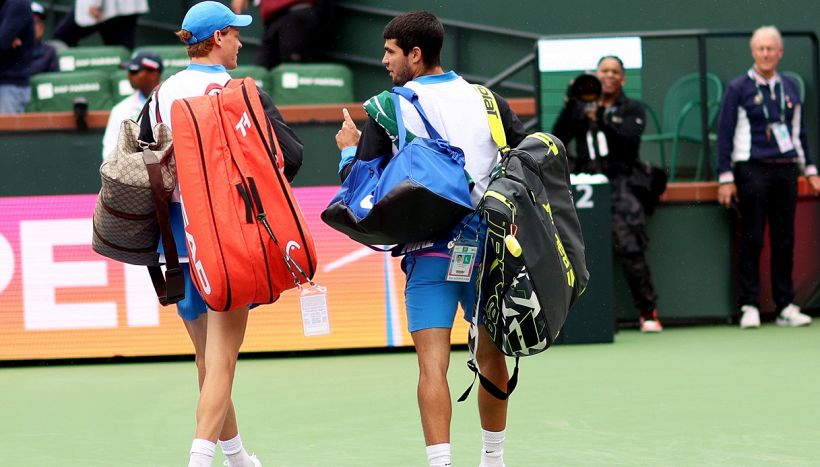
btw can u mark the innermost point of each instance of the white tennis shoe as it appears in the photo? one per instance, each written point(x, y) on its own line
point(254, 459)
point(792, 317)
point(750, 318)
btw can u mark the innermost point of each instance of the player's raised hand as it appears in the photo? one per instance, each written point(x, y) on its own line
point(348, 135)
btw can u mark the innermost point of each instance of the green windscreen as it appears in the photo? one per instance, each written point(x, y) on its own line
point(57, 92)
point(259, 74)
point(106, 58)
point(311, 83)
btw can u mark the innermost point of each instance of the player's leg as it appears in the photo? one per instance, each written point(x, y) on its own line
point(433, 350)
point(226, 331)
point(216, 418)
point(202, 451)
point(431, 305)
point(492, 411)
point(493, 365)
point(229, 438)
point(194, 314)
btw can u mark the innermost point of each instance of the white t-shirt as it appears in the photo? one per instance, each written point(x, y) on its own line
point(456, 111)
point(190, 82)
point(128, 108)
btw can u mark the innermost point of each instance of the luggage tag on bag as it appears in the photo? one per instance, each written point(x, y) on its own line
point(462, 260)
point(313, 303)
point(781, 135)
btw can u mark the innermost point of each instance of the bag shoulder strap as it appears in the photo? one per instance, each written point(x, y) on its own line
point(413, 98)
point(231, 83)
point(493, 118)
point(237, 82)
point(172, 288)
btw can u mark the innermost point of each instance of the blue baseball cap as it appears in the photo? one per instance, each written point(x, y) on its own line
point(205, 18)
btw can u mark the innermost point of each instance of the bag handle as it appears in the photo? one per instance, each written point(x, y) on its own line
point(488, 385)
point(146, 132)
point(413, 98)
point(472, 344)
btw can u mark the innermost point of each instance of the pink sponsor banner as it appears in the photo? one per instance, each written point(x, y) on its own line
point(59, 299)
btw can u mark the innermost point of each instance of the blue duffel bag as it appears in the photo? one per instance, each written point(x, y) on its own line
point(421, 194)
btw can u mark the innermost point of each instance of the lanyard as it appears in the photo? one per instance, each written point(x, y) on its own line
point(765, 107)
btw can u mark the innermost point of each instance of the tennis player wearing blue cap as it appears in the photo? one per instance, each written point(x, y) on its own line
point(210, 32)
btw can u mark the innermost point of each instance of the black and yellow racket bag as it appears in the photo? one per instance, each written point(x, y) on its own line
point(534, 267)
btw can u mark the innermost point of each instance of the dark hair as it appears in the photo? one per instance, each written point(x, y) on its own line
point(614, 57)
point(418, 29)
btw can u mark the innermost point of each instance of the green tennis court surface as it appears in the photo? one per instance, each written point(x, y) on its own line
point(691, 396)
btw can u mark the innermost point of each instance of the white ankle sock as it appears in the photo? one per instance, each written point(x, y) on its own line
point(202, 453)
point(492, 454)
point(235, 453)
point(438, 455)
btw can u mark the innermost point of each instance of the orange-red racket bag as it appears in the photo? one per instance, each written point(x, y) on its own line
point(246, 236)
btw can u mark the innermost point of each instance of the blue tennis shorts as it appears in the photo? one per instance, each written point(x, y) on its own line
point(431, 300)
point(192, 306)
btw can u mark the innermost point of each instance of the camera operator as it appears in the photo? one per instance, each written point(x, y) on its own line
point(607, 128)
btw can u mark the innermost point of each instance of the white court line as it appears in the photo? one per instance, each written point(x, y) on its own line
point(349, 258)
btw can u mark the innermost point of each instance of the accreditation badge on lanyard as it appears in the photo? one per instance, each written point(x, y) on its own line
point(782, 136)
point(779, 130)
point(462, 260)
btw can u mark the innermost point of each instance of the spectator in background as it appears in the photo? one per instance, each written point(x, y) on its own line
point(292, 30)
point(762, 146)
point(115, 20)
point(144, 71)
point(45, 55)
point(16, 53)
point(608, 138)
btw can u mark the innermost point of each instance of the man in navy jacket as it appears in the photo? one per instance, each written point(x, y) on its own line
point(16, 55)
point(762, 147)
point(44, 58)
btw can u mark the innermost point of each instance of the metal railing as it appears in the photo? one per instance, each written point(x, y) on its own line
point(501, 79)
point(456, 27)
